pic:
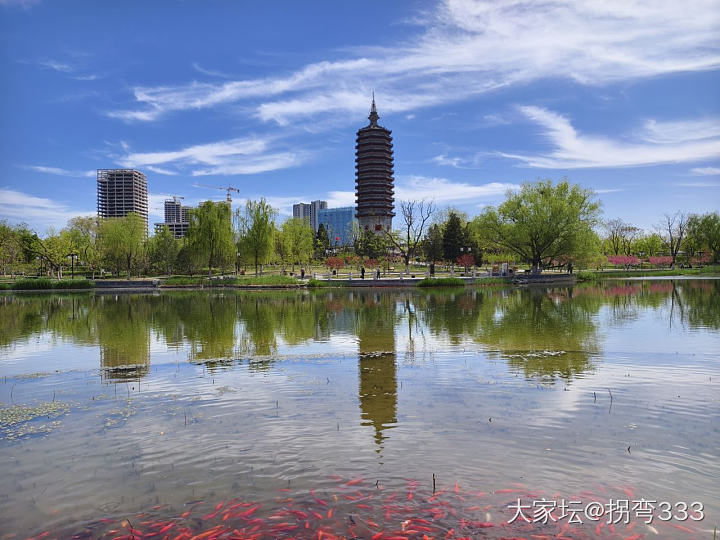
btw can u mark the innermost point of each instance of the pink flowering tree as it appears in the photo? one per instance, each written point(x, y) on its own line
point(660, 260)
point(624, 261)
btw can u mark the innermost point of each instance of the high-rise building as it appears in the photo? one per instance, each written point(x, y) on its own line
point(121, 191)
point(374, 176)
point(176, 218)
point(338, 223)
point(301, 211)
point(309, 212)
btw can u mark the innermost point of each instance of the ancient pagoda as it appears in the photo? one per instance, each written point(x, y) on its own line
point(374, 176)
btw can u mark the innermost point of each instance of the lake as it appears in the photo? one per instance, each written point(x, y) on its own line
point(362, 413)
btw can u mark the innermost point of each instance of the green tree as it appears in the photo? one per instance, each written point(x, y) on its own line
point(298, 236)
point(433, 243)
point(454, 237)
point(372, 245)
point(185, 262)
point(51, 250)
point(321, 243)
point(83, 239)
point(210, 235)
point(122, 241)
point(541, 222)
point(256, 228)
point(281, 247)
point(705, 231)
point(163, 249)
point(648, 245)
point(11, 248)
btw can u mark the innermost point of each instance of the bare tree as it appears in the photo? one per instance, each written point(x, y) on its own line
point(415, 216)
point(620, 235)
point(673, 230)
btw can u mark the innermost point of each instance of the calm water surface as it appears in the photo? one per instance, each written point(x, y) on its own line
point(137, 406)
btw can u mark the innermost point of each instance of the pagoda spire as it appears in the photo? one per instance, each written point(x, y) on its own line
point(373, 113)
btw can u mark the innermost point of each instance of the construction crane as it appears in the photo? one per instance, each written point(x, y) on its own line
point(226, 188)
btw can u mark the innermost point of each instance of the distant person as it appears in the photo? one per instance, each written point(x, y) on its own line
point(378, 273)
point(570, 268)
point(432, 269)
point(302, 273)
point(362, 272)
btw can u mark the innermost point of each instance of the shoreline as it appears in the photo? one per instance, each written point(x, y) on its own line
point(144, 286)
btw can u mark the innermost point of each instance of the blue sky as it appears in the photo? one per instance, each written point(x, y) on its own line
point(619, 96)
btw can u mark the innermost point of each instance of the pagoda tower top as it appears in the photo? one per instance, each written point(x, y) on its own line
point(374, 116)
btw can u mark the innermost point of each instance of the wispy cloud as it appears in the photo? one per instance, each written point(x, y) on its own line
point(698, 184)
point(212, 73)
point(60, 172)
point(159, 170)
point(56, 66)
point(682, 141)
point(705, 171)
point(18, 207)
point(465, 48)
point(248, 155)
point(441, 190)
point(25, 4)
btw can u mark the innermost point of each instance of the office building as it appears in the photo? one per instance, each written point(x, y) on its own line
point(338, 223)
point(374, 179)
point(121, 191)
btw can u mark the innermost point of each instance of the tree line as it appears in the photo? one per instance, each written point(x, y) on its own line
point(541, 225)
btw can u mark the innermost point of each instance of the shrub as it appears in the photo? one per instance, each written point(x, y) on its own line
point(441, 282)
point(45, 283)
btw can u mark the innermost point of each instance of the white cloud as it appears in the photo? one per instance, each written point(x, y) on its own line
point(705, 171)
point(443, 159)
point(684, 141)
point(60, 172)
point(229, 157)
point(466, 48)
point(457, 162)
point(20, 207)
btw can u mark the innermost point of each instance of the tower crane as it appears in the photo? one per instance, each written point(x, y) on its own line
point(225, 188)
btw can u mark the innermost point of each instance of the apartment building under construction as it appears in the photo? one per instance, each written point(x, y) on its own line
point(121, 191)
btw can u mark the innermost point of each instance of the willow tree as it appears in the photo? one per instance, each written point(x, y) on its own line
point(210, 235)
point(256, 227)
point(122, 241)
point(298, 237)
point(542, 222)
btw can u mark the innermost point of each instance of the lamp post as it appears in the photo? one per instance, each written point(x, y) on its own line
point(72, 263)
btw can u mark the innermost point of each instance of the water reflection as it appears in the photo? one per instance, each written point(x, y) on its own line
point(542, 333)
point(375, 320)
point(123, 335)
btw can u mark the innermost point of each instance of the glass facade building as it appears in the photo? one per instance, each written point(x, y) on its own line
point(338, 223)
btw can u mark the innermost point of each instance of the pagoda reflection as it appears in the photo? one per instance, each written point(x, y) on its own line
point(377, 390)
